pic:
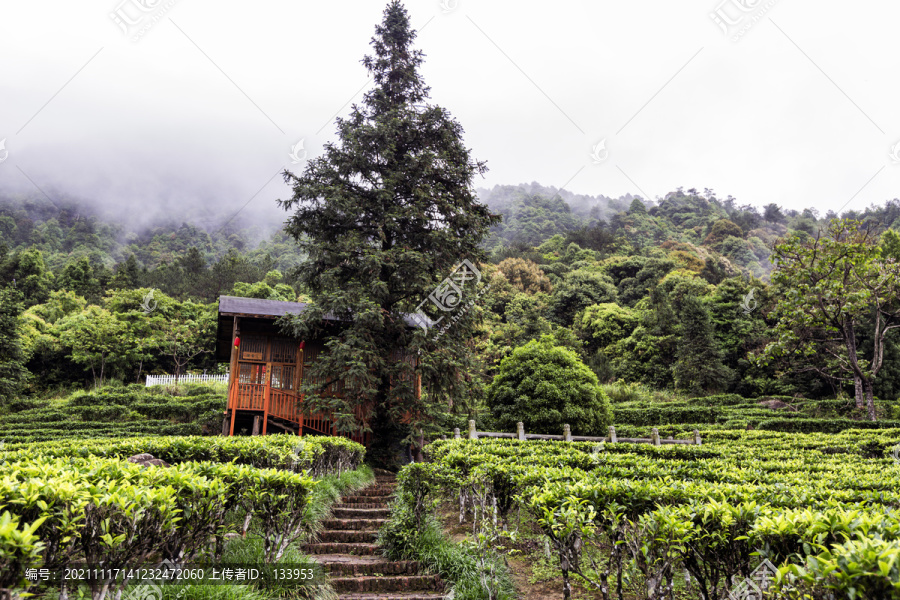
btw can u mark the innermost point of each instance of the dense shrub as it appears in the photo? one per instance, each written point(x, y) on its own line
point(545, 386)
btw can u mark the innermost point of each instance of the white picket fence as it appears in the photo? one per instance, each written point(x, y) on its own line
point(170, 379)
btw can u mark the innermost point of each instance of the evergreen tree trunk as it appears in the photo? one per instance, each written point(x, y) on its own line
point(385, 451)
point(860, 397)
point(870, 399)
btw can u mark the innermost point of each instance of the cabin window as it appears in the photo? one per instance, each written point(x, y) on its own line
point(283, 377)
point(253, 374)
point(284, 351)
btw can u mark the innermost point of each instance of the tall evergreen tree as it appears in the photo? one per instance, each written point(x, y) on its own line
point(128, 274)
point(12, 360)
point(385, 215)
point(698, 367)
point(79, 277)
point(28, 273)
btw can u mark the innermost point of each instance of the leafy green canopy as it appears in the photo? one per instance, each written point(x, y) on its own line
point(384, 215)
point(545, 386)
point(833, 290)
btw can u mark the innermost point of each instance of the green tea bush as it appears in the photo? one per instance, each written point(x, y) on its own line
point(20, 549)
point(80, 500)
point(821, 507)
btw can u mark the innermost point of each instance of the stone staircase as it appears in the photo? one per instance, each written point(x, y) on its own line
point(346, 549)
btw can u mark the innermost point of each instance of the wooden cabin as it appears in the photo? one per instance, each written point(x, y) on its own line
point(267, 370)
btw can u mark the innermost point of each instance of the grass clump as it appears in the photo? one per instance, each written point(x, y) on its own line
point(473, 567)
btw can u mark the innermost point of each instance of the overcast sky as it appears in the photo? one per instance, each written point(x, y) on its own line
point(199, 103)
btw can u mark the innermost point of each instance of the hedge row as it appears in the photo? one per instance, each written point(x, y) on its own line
point(110, 513)
point(821, 507)
point(81, 430)
point(66, 501)
point(731, 411)
point(317, 454)
point(802, 425)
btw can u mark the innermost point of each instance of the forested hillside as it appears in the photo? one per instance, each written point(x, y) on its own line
point(673, 295)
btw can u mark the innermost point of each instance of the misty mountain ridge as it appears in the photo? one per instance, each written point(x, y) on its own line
point(67, 228)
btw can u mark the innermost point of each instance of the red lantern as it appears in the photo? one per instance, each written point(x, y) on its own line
point(302, 344)
point(237, 342)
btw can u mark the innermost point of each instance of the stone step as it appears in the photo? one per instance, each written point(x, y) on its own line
point(341, 505)
point(354, 523)
point(347, 536)
point(377, 491)
point(403, 583)
point(365, 499)
point(356, 548)
point(343, 565)
point(360, 513)
point(347, 552)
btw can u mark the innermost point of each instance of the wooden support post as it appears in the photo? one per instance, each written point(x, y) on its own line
point(267, 395)
point(233, 374)
point(520, 430)
point(654, 433)
point(456, 435)
point(256, 421)
point(697, 439)
point(473, 433)
point(225, 421)
point(612, 435)
point(234, 349)
point(567, 432)
point(298, 369)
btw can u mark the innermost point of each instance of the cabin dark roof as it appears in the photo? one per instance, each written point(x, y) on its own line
point(262, 311)
point(257, 307)
point(230, 306)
